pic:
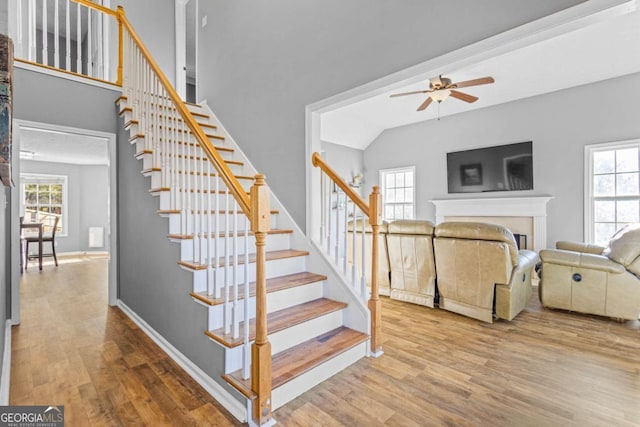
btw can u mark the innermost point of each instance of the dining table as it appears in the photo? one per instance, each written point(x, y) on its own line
point(38, 226)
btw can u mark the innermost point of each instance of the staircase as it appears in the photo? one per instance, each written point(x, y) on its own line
point(309, 338)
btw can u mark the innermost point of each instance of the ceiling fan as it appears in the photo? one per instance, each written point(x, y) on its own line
point(440, 88)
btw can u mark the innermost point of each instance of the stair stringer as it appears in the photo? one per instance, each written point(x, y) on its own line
point(356, 315)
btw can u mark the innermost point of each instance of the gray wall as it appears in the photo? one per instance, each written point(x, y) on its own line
point(43, 98)
point(346, 161)
point(150, 281)
point(263, 61)
point(155, 23)
point(88, 197)
point(560, 124)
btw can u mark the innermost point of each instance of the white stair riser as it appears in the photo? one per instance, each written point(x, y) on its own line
point(275, 268)
point(190, 165)
point(291, 297)
point(143, 144)
point(209, 222)
point(188, 247)
point(289, 391)
point(156, 180)
point(288, 338)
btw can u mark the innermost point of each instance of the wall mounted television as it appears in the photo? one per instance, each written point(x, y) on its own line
point(500, 168)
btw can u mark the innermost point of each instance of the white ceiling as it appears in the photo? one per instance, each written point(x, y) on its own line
point(596, 52)
point(62, 147)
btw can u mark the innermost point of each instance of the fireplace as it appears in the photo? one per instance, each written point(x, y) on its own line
point(522, 215)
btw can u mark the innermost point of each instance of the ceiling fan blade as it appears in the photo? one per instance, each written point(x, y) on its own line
point(425, 104)
point(475, 82)
point(408, 93)
point(463, 96)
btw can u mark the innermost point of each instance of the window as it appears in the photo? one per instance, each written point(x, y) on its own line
point(44, 198)
point(613, 189)
point(398, 193)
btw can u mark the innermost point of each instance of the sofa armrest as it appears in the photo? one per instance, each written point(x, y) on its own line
point(581, 260)
point(580, 247)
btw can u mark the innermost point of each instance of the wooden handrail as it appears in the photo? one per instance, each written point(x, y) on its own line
point(374, 213)
point(227, 176)
point(355, 197)
point(97, 7)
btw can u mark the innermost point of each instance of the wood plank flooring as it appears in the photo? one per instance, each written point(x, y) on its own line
point(545, 368)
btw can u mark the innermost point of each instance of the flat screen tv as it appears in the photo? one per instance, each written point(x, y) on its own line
point(500, 168)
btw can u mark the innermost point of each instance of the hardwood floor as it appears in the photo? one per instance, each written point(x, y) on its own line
point(545, 368)
point(72, 349)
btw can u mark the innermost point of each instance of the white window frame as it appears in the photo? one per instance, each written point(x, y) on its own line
point(589, 150)
point(24, 179)
point(382, 181)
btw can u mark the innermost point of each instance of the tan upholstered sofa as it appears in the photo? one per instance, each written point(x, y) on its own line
point(593, 279)
point(383, 254)
point(413, 271)
point(478, 263)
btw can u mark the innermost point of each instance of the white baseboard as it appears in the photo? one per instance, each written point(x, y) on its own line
point(5, 378)
point(231, 404)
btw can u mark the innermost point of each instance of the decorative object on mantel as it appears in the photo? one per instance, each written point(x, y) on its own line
point(357, 180)
point(6, 89)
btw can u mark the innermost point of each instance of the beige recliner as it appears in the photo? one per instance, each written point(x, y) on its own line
point(383, 257)
point(478, 263)
point(413, 270)
point(592, 279)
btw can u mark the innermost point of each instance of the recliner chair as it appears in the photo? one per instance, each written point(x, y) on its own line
point(593, 279)
point(479, 264)
point(413, 270)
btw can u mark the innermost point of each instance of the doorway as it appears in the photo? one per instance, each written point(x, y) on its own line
point(187, 49)
point(84, 163)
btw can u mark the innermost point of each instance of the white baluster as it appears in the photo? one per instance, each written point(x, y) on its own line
point(56, 36)
point(227, 273)
point(89, 45)
point(236, 249)
point(363, 263)
point(185, 182)
point(211, 238)
point(323, 189)
point(344, 235)
point(328, 215)
point(45, 34)
point(216, 207)
point(247, 348)
point(354, 262)
point(32, 30)
point(79, 39)
point(67, 63)
point(337, 245)
point(203, 194)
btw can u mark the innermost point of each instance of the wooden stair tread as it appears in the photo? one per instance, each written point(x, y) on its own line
point(280, 320)
point(273, 285)
point(270, 255)
point(136, 122)
point(222, 234)
point(295, 361)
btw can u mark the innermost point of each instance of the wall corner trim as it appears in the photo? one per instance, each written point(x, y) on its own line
point(5, 378)
point(231, 404)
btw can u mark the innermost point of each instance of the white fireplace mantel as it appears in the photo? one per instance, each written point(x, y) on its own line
point(534, 207)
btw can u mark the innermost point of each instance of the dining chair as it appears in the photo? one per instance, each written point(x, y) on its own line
point(51, 238)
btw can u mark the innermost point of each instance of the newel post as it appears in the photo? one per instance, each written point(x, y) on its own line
point(261, 348)
point(375, 214)
point(120, 45)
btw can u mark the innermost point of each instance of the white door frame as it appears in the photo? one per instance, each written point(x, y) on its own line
point(112, 226)
point(181, 44)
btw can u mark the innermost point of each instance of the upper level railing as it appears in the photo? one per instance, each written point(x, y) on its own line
point(344, 237)
point(73, 36)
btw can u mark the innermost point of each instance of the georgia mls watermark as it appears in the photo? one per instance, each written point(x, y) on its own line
point(32, 416)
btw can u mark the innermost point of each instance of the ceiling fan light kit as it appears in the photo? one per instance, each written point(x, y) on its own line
point(441, 88)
